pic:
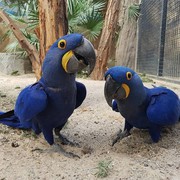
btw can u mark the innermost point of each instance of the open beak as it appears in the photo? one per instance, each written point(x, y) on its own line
point(114, 90)
point(79, 58)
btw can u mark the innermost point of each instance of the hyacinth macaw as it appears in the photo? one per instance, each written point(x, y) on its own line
point(47, 104)
point(141, 107)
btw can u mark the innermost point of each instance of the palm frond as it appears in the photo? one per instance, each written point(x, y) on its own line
point(32, 38)
point(12, 47)
point(98, 6)
point(5, 35)
point(90, 24)
point(133, 12)
point(86, 17)
point(19, 19)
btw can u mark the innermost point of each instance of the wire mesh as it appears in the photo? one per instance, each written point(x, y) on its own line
point(159, 38)
point(149, 36)
point(172, 44)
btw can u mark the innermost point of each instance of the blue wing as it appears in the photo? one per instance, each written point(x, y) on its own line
point(164, 107)
point(31, 101)
point(81, 93)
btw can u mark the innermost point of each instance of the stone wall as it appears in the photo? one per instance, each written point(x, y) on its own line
point(12, 63)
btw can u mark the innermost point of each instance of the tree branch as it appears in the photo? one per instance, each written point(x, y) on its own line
point(31, 50)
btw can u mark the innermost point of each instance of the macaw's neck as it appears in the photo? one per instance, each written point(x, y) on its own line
point(58, 80)
point(138, 95)
point(53, 73)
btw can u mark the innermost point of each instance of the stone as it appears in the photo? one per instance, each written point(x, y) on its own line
point(13, 63)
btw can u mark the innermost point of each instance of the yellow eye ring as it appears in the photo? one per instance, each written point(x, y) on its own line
point(128, 75)
point(62, 44)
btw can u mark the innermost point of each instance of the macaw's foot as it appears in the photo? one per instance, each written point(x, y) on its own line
point(65, 141)
point(59, 148)
point(121, 135)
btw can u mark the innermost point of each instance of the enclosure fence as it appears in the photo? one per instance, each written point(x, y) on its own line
point(158, 51)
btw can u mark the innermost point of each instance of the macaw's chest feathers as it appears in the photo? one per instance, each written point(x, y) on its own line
point(134, 110)
point(61, 103)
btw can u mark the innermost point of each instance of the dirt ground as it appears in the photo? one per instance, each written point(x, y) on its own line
point(23, 156)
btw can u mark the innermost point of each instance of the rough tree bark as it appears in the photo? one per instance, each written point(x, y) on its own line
point(53, 23)
point(127, 41)
point(105, 44)
point(31, 50)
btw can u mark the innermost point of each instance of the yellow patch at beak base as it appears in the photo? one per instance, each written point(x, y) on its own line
point(127, 89)
point(66, 58)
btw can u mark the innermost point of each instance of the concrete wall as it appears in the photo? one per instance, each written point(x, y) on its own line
point(11, 63)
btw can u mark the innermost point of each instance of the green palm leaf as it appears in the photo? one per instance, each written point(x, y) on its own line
point(133, 12)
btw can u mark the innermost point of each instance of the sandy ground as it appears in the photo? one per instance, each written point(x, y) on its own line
point(93, 126)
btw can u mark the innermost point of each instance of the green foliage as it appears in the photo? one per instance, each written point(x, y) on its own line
point(32, 38)
point(15, 47)
point(103, 169)
point(26, 16)
point(20, 7)
point(15, 73)
point(5, 35)
point(86, 17)
point(133, 12)
point(145, 78)
point(33, 19)
point(82, 74)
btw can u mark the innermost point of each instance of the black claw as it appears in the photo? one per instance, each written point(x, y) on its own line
point(71, 155)
point(120, 136)
point(65, 141)
point(114, 141)
point(65, 153)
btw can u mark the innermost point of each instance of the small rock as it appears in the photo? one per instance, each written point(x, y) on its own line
point(87, 150)
point(170, 165)
point(3, 95)
point(76, 134)
point(14, 144)
point(4, 139)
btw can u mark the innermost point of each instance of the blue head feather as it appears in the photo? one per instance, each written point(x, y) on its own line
point(119, 74)
point(53, 72)
point(73, 40)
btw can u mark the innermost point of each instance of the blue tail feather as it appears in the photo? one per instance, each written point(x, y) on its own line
point(13, 121)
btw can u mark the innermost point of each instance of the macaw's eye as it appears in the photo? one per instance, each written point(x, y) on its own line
point(62, 44)
point(128, 75)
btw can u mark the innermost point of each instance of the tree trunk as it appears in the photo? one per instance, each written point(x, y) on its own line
point(53, 23)
point(126, 44)
point(106, 40)
point(31, 50)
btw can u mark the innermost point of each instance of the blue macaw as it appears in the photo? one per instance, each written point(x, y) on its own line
point(47, 104)
point(141, 107)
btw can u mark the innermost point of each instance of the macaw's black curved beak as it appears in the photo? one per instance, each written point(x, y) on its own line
point(83, 56)
point(113, 90)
